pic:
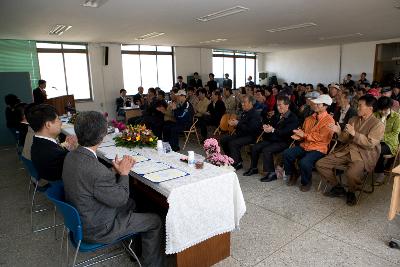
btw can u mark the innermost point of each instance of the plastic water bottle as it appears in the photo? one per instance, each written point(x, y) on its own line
point(191, 161)
point(160, 148)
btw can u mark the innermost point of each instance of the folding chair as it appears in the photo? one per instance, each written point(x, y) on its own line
point(395, 160)
point(191, 130)
point(36, 208)
point(72, 222)
point(331, 148)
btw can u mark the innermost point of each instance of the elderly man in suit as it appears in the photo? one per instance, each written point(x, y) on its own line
point(346, 112)
point(248, 127)
point(361, 138)
point(101, 195)
point(276, 138)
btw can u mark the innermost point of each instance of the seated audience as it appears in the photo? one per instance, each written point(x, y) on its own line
point(396, 91)
point(359, 93)
point(348, 82)
point(11, 118)
point(101, 195)
point(387, 91)
point(196, 82)
point(307, 109)
point(183, 112)
point(46, 154)
point(363, 79)
point(390, 142)
point(361, 138)
point(334, 93)
point(192, 98)
point(154, 118)
point(168, 113)
point(314, 141)
point(202, 103)
point(276, 138)
point(180, 84)
point(215, 110)
point(230, 101)
point(270, 100)
point(248, 127)
point(345, 112)
point(260, 105)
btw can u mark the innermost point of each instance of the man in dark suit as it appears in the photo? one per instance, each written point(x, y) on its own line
point(276, 139)
point(122, 101)
point(180, 84)
point(196, 82)
point(101, 195)
point(138, 98)
point(212, 84)
point(227, 83)
point(39, 94)
point(46, 154)
point(248, 127)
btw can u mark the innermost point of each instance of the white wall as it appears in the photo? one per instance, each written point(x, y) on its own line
point(189, 60)
point(322, 64)
point(311, 65)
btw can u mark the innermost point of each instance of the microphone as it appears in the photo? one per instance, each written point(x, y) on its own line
point(54, 87)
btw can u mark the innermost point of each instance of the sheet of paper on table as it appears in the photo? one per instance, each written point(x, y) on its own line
point(164, 175)
point(110, 152)
point(149, 166)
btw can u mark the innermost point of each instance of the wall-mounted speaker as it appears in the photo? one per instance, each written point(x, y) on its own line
point(106, 55)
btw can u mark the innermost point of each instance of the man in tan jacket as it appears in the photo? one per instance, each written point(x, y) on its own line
point(360, 151)
point(202, 105)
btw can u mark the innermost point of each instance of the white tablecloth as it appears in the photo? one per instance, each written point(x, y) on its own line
point(206, 203)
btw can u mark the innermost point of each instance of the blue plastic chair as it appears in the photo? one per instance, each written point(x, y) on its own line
point(35, 208)
point(72, 222)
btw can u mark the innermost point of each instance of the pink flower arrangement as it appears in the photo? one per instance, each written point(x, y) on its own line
point(211, 146)
point(213, 153)
point(119, 125)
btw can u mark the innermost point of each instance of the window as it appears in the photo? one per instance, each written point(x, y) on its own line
point(65, 68)
point(147, 66)
point(239, 66)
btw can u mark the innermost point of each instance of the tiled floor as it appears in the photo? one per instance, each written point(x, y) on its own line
point(282, 226)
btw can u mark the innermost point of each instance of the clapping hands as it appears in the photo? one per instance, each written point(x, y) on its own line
point(123, 166)
point(268, 128)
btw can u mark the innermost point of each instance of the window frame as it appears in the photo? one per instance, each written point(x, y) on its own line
point(63, 50)
point(235, 55)
point(156, 53)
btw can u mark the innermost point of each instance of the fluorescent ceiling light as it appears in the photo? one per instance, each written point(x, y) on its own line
point(223, 13)
point(149, 35)
point(214, 41)
point(358, 34)
point(293, 27)
point(59, 29)
point(93, 3)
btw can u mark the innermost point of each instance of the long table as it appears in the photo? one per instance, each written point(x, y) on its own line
point(202, 207)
